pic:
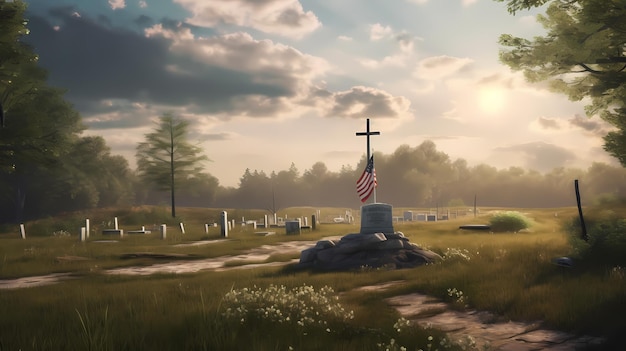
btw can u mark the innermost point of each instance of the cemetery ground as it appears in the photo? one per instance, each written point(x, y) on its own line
point(511, 275)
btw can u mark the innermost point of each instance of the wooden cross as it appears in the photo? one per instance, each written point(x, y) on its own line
point(367, 133)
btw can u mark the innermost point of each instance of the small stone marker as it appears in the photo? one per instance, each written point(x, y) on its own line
point(206, 228)
point(254, 225)
point(22, 231)
point(87, 227)
point(313, 222)
point(224, 224)
point(182, 228)
point(292, 227)
point(306, 221)
point(376, 218)
point(265, 223)
point(408, 216)
point(163, 231)
point(115, 224)
point(119, 232)
point(83, 234)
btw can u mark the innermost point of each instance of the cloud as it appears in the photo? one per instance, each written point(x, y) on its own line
point(360, 101)
point(344, 38)
point(595, 127)
point(119, 77)
point(438, 67)
point(548, 123)
point(378, 31)
point(405, 41)
point(282, 17)
point(117, 4)
point(169, 66)
point(540, 156)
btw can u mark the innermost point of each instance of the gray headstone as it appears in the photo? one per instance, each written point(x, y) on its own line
point(408, 216)
point(292, 227)
point(83, 234)
point(22, 231)
point(376, 218)
point(224, 224)
point(265, 223)
point(87, 229)
point(313, 222)
point(115, 224)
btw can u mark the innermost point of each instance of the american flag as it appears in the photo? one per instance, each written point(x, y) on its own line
point(367, 182)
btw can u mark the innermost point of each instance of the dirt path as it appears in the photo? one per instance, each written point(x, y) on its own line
point(482, 327)
point(250, 259)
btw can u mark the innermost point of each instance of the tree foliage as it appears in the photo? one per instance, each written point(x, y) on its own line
point(45, 165)
point(166, 159)
point(582, 55)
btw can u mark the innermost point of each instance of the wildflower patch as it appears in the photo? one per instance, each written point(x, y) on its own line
point(302, 306)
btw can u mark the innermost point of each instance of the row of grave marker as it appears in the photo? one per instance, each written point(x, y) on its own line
point(291, 227)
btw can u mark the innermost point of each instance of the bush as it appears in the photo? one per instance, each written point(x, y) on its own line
point(509, 222)
point(607, 238)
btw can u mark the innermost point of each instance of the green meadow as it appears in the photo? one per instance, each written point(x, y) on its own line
point(282, 307)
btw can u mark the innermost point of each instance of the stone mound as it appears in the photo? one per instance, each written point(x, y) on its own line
point(357, 250)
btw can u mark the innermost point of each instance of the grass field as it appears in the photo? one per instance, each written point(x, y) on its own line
point(510, 274)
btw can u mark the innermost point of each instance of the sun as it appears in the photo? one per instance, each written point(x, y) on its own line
point(491, 100)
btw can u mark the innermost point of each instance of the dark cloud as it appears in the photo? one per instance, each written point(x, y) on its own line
point(95, 62)
point(548, 123)
point(362, 101)
point(594, 127)
point(122, 77)
point(539, 156)
point(143, 21)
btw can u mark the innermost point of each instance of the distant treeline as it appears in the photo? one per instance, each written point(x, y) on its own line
point(418, 176)
point(422, 176)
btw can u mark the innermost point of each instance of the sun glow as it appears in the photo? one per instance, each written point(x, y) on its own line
point(491, 100)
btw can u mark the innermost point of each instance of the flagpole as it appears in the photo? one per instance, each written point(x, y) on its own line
point(373, 170)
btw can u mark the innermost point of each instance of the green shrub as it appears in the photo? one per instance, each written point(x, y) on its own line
point(606, 234)
point(510, 221)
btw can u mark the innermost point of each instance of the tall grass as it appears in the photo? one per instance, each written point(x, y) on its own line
point(510, 274)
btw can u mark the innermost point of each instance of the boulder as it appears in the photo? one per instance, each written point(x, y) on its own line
point(373, 250)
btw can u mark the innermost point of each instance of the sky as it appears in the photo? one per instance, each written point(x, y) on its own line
point(268, 83)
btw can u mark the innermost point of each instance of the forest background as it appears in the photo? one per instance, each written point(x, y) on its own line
point(47, 165)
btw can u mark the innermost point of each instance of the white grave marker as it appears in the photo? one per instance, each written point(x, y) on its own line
point(163, 231)
point(22, 231)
